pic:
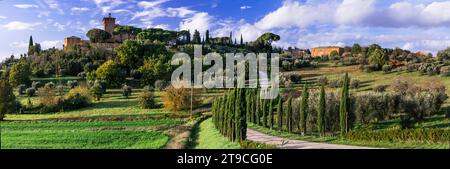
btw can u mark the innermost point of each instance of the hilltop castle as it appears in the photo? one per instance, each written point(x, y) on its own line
point(109, 24)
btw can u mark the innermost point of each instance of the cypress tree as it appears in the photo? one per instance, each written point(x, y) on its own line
point(321, 112)
point(257, 110)
point(207, 37)
point(289, 115)
point(271, 114)
point(237, 115)
point(264, 112)
point(304, 110)
point(231, 38)
point(280, 113)
point(242, 120)
point(242, 40)
point(343, 107)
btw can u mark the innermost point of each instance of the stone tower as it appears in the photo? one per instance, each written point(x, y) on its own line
point(109, 23)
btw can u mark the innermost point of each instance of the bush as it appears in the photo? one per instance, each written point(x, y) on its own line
point(77, 97)
point(387, 68)
point(49, 101)
point(380, 88)
point(98, 88)
point(179, 98)
point(335, 83)
point(370, 68)
point(161, 85)
point(255, 145)
point(354, 83)
point(126, 91)
point(146, 100)
point(72, 83)
point(50, 85)
point(148, 88)
point(21, 89)
point(286, 65)
point(322, 80)
point(31, 92)
point(408, 135)
point(136, 74)
point(445, 71)
point(37, 84)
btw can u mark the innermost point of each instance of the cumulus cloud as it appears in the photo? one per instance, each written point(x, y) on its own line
point(17, 25)
point(199, 21)
point(18, 45)
point(354, 11)
point(51, 43)
point(79, 9)
point(25, 6)
point(3, 17)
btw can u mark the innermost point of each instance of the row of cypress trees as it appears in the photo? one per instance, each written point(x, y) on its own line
point(230, 115)
point(238, 106)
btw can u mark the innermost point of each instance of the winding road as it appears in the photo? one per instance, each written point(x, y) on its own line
point(284, 143)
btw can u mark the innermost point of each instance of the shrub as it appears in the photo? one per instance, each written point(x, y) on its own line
point(31, 92)
point(387, 68)
point(50, 85)
point(370, 68)
point(148, 88)
point(255, 145)
point(126, 91)
point(380, 88)
point(354, 83)
point(335, 83)
point(72, 83)
point(136, 74)
point(161, 85)
point(20, 74)
point(147, 100)
point(408, 135)
point(37, 84)
point(322, 80)
point(179, 98)
point(445, 71)
point(21, 89)
point(49, 101)
point(97, 90)
point(286, 65)
point(77, 97)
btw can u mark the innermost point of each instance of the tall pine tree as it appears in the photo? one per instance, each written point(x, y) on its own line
point(343, 107)
point(321, 111)
point(304, 109)
point(207, 37)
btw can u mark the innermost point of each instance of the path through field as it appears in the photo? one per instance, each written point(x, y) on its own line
point(284, 143)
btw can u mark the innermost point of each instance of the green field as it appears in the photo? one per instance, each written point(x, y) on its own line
point(112, 123)
point(210, 138)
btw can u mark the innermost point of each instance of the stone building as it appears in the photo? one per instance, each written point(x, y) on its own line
point(71, 41)
point(109, 23)
point(326, 51)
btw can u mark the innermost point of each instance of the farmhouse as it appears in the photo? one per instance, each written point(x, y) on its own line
point(109, 24)
point(326, 51)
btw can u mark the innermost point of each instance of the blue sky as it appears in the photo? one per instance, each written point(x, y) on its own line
point(417, 25)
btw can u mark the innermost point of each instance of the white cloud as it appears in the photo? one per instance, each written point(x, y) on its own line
point(151, 4)
point(17, 25)
point(22, 45)
point(53, 4)
point(199, 21)
point(245, 7)
point(108, 5)
point(293, 14)
point(179, 12)
point(354, 11)
point(3, 17)
point(51, 43)
point(25, 6)
point(79, 9)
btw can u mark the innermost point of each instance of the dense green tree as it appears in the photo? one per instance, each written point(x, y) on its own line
point(356, 48)
point(378, 57)
point(98, 35)
point(20, 74)
point(111, 73)
point(267, 38)
point(130, 30)
point(8, 100)
point(196, 39)
point(444, 54)
point(264, 113)
point(321, 111)
point(271, 114)
point(304, 109)
point(280, 113)
point(343, 106)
